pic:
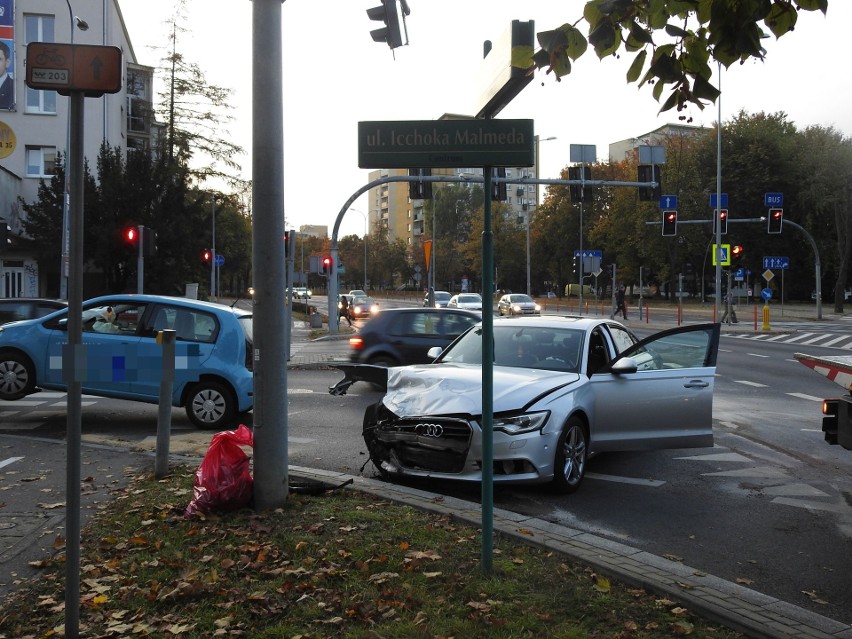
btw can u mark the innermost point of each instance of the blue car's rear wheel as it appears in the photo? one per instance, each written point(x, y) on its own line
point(211, 406)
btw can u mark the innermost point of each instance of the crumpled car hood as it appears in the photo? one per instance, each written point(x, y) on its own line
point(457, 388)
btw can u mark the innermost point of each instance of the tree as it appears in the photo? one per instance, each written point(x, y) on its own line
point(689, 33)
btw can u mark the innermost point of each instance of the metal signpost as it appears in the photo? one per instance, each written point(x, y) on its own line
point(78, 71)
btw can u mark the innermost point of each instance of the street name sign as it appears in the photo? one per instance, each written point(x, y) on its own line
point(445, 143)
point(64, 68)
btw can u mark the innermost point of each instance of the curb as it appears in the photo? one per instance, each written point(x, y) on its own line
point(737, 607)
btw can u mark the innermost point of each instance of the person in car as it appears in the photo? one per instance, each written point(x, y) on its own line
point(105, 322)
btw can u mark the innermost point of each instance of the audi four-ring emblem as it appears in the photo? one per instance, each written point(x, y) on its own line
point(429, 430)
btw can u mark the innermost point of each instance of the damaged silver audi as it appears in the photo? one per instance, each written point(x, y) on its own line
point(565, 388)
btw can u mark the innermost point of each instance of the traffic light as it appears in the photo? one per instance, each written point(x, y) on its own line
point(580, 193)
point(207, 256)
point(4, 235)
point(830, 418)
point(394, 18)
point(736, 252)
point(326, 265)
point(499, 192)
point(837, 421)
point(649, 173)
point(669, 223)
point(420, 190)
point(774, 220)
point(131, 235)
point(720, 216)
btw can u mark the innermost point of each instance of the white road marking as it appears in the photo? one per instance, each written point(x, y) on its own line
point(756, 355)
point(724, 457)
point(798, 338)
point(747, 383)
point(835, 340)
point(9, 461)
point(794, 490)
point(812, 505)
point(653, 483)
point(764, 472)
point(805, 396)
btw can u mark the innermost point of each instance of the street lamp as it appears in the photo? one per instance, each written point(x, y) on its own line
point(536, 140)
point(365, 244)
point(66, 217)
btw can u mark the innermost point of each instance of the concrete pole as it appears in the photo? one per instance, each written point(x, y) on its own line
point(271, 457)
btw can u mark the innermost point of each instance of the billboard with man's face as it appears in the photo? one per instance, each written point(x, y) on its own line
point(7, 54)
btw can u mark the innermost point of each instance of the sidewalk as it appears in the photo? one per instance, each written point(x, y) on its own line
point(747, 611)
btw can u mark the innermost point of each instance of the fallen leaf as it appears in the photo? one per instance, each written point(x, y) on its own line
point(744, 581)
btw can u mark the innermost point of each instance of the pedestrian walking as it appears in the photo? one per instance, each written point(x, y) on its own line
point(730, 309)
point(344, 309)
point(619, 302)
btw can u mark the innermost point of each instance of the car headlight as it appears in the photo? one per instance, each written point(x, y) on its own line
point(516, 308)
point(537, 307)
point(374, 308)
point(517, 424)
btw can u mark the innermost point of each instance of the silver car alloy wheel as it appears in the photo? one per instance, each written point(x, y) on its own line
point(574, 454)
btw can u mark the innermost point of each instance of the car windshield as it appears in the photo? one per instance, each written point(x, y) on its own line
point(442, 296)
point(520, 299)
point(556, 349)
point(470, 299)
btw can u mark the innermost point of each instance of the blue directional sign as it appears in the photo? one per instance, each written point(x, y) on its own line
point(773, 199)
point(776, 262)
point(588, 253)
point(668, 202)
point(220, 259)
point(766, 293)
point(713, 201)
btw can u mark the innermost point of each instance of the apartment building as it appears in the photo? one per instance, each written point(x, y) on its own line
point(34, 124)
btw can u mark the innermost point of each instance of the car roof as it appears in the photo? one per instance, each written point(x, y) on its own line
point(168, 299)
point(556, 321)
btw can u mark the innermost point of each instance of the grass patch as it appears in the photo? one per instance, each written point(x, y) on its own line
point(342, 564)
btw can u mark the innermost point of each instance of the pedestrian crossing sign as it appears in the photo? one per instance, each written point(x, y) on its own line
point(722, 254)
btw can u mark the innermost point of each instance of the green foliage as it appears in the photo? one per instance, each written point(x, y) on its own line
point(681, 36)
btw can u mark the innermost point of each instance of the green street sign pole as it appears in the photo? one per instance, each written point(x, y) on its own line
point(487, 380)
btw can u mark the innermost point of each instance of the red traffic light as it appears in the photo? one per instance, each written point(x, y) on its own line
point(736, 251)
point(207, 255)
point(131, 235)
point(775, 220)
point(326, 265)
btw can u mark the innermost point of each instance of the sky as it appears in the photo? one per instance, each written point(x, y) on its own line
point(335, 75)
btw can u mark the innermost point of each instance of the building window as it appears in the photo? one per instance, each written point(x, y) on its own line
point(39, 28)
point(41, 161)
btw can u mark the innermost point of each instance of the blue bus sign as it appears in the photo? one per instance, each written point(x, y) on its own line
point(771, 200)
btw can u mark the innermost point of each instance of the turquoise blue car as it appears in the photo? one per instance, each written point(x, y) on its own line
point(121, 358)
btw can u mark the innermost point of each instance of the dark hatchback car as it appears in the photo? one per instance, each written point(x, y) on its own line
point(402, 336)
point(13, 309)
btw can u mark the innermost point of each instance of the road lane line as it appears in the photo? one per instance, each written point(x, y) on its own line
point(747, 383)
point(805, 396)
point(11, 460)
point(653, 483)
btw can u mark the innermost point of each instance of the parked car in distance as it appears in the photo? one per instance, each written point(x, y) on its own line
point(562, 388)
point(302, 293)
point(13, 309)
point(517, 304)
point(400, 336)
point(442, 298)
point(213, 350)
point(470, 301)
point(362, 307)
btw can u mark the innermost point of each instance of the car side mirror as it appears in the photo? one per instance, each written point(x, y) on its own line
point(434, 352)
point(625, 366)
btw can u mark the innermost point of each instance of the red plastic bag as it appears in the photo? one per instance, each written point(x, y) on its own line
point(223, 481)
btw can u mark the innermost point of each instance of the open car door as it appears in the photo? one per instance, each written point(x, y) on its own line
point(658, 393)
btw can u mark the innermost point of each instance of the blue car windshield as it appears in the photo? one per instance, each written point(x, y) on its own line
point(556, 349)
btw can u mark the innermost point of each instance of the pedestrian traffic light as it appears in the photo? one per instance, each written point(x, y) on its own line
point(392, 13)
point(499, 192)
point(649, 173)
point(720, 217)
point(669, 223)
point(420, 190)
point(580, 193)
point(774, 220)
point(736, 252)
point(326, 265)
